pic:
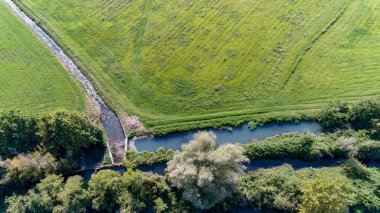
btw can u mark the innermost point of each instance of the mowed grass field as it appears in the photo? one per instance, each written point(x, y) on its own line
point(180, 61)
point(31, 78)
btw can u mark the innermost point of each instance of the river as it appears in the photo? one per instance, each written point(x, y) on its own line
point(241, 134)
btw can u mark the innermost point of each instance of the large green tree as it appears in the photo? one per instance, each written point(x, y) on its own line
point(29, 168)
point(276, 188)
point(326, 194)
point(65, 131)
point(103, 188)
point(335, 115)
point(364, 112)
point(52, 194)
point(207, 174)
point(18, 133)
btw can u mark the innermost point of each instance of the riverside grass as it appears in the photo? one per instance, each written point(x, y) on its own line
point(31, 78)
point(183, 64)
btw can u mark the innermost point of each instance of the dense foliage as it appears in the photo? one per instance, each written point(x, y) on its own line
point(296, 146)
point(362, 115)
point(65, 131)
point(335, 116)
point(52, 194)
point(201, 176)
point(145, 158)
point(133, 191)
point(18, 133)
point(326, 193)
point(307, 190)
point(207, 174)
point(61, 133)
point(308, 147)
point(276, 188)
point(27, 169)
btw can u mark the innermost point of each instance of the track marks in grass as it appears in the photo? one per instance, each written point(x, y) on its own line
point(311, 44)
point(139, 42)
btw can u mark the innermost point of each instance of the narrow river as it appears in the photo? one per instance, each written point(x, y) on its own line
point(240, 134)
point(109, 119)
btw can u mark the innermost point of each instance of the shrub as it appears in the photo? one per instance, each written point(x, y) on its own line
point(276, 188)
point(148, 158)
point(364, 112)
point(355, 170)
point(294, 146)
point(335, 116)
point(326, 194)
point(369, 151)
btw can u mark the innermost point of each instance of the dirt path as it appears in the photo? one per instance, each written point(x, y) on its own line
point(109, 119)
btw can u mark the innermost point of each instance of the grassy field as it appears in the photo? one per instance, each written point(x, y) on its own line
point(30, 77)
point(176, 63)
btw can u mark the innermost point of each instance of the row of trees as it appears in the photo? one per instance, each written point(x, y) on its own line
point(105, 192)
point(59, 133)
point(203, 177)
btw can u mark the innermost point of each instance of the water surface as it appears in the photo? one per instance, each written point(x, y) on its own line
point(241, 134)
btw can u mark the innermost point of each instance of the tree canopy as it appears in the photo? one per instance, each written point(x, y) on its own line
point(207, 174)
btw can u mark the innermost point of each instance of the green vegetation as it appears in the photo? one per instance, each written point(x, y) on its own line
point(362, 115)
point(64, 132)
point(183, 64)
point(313, 190)
point(133, 191)
point(307, 147)
point(52, 194)
point(208, 178)
point(207, 174)
point(296, 146)
point(61, 133)
point(30, 76)
point(145, 158)
point(26, 169)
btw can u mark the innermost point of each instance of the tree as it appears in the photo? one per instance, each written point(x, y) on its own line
point(368, 151)
point(206, 174)
point(103, 188)
point(326, 194)
point(18, 133)
point(41, 199)
point(364, 112)
point(73, 196)
point(277, 188)
point(65, 131)
point(159, 205)
point(145, 190)
point(28, 168)
point(52, 195)
point(335, 116)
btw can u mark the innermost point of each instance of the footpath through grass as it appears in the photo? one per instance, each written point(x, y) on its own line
point(180, 63)
point(31, 78)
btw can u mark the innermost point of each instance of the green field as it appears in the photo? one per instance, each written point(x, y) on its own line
point(30, 76)
point(177, 62)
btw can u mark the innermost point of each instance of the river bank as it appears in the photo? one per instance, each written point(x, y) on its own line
point(109, 119)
